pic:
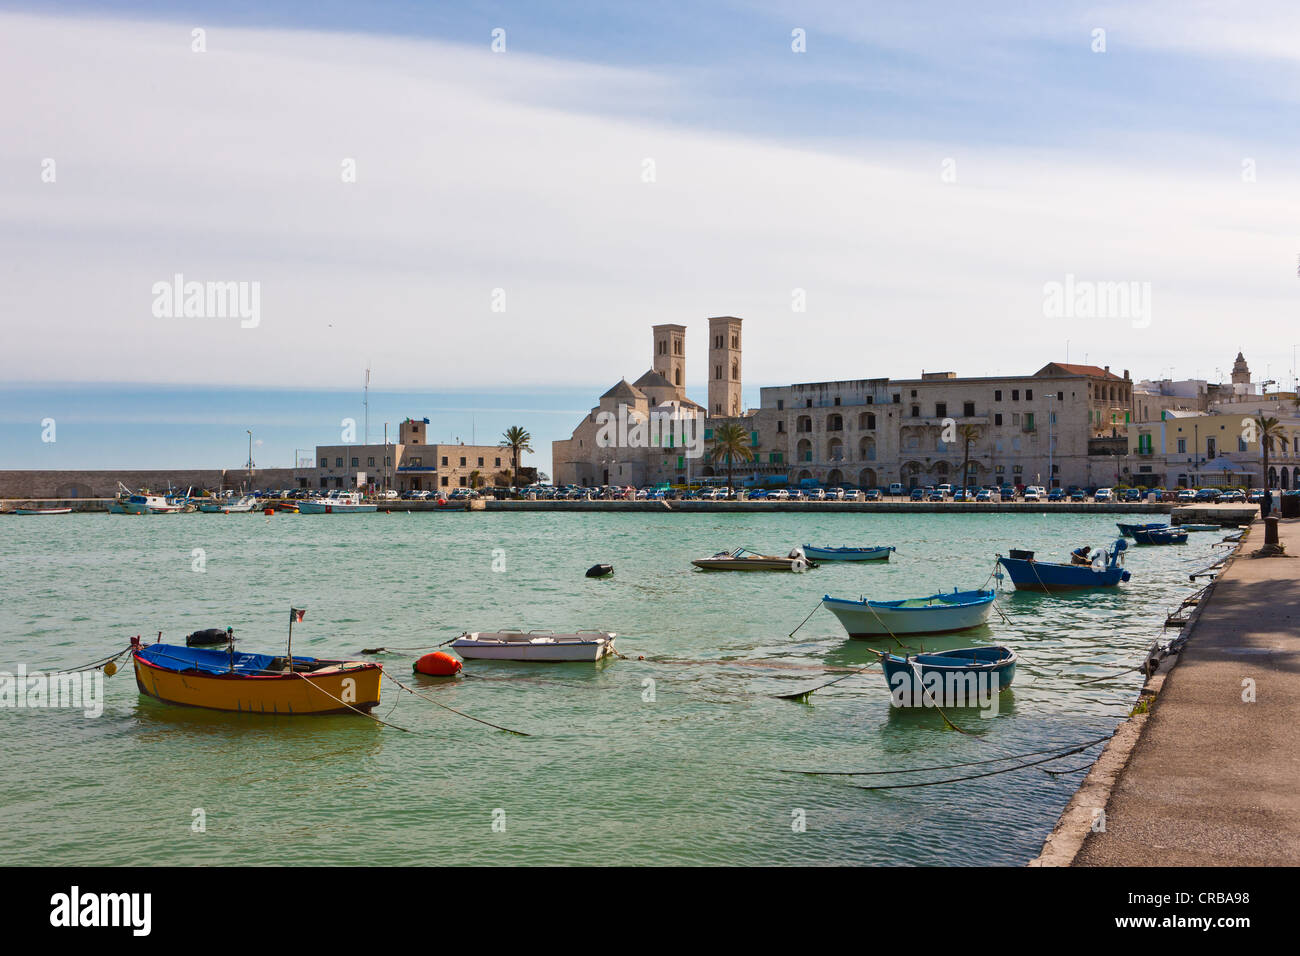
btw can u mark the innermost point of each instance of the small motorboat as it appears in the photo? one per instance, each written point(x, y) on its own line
point(254, 683)
point(538, 645)
point(600, 570)
point(1160, 536)
point(1129, 530)
point(1203, 527)
point(946, 611)
point(742, 559)
point(42, 511)
point(1030, 575)
point(148, 505)
point(957, 678)
point(847, 554)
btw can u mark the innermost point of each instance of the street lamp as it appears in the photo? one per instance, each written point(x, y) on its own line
point(250, 459)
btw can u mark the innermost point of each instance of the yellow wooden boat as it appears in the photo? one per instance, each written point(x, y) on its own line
point(224, 679)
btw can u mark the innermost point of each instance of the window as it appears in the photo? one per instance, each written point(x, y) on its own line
point(916, 411)
point(338, 462)
point(417, 462)
point(1029, 421)
point(480, 462)
point(735, 341)
point(898, 398)
point(1241, 444)
point(780, 404)
point(1000, 469)
point(914, 393)
point(1017, 468)
point(1015, 394)
point(462, 481)
point(780, 427)
point(370, 462)
point(324, 462)
point(1060, 396)
point(1015, 418)
point(807, 403)
point(444, 460)
point(1029, 394)
point(940, 409)
point(753, 439)
point(837, 399)
point(1182, 446)
point(997, 395)
point(997, 419)
point(968, 409)
point(462, 461)
point(498, 463)
point(775, 458)
point(444, 481)
point(356, 462)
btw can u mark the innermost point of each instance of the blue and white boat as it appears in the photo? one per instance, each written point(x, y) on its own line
point(847, 554)
point(1129, 530)
point(1030, 575)
point(946, 611)
point(1160, 536)
point(967, 677)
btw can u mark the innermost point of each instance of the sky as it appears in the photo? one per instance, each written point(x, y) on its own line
point(877, 189)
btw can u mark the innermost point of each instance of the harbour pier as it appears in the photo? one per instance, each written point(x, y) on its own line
point(1205, 772)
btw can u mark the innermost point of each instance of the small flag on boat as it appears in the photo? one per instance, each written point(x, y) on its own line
point(296, 614)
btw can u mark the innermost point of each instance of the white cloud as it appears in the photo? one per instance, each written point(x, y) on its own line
point(478, 171)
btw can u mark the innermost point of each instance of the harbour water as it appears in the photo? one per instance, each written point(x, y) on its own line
point(674, 759)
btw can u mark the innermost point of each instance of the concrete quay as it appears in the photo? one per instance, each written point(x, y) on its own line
point(1207, 773)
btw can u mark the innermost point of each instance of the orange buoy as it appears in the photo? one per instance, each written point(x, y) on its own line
point(438, 664)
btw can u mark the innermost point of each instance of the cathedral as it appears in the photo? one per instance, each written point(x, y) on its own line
point(590, 458)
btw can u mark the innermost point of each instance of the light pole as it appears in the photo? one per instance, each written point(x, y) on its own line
point(1050, 469)
point(250, 459)
point(386, 456)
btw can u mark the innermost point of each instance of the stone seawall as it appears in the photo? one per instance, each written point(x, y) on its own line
point(103, 484)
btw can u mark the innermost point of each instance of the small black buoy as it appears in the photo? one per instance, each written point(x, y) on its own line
point(600, 570)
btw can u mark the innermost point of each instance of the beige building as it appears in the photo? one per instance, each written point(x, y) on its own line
point(1061, 426)
point(408, 464)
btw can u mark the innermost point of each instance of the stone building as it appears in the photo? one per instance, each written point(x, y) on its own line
point(1058, 427)
point(408, 464)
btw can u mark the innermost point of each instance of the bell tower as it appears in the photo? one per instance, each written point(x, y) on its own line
point(1240, 371)
point(670, 355)
point(724, 367)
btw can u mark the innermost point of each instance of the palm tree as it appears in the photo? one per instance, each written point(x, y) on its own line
point(731, 442)
point(516, 439)
point(1270, 432)
point(968, 434)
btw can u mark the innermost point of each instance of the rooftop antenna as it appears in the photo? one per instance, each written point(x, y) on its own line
point(365, 403)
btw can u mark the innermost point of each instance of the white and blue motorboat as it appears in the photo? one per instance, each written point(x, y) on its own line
point(847, 554)
point(1030, 575)
point(946, 611)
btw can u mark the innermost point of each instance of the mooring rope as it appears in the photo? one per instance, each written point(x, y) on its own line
point(947, 766)
point(977, 776)
point(517, 733)
point(349, 706)
point(93, 665)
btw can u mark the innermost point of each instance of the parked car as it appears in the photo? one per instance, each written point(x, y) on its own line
point(1056, 494)
point(871, 494)
point(1078, 494)
point(917, 495)
point(1103, 494)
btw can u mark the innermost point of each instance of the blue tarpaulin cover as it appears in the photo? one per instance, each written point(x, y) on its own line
point(173, 657)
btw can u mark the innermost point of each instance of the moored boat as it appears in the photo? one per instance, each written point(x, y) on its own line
point(967, 677)
point(945, 611)
point(349, 503)
point(254, 683)
point(1128, 530)
point(848, 554)
point(1028, 574)
point(141, 504)
point(1160, 536)
point(539, 645)
point(742, 559)
point(1203, 527)
point(42, 511)
point(229, 506)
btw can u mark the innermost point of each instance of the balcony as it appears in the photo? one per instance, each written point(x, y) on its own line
point(1108, 446)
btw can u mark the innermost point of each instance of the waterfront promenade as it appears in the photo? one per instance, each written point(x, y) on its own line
point(1213, 777)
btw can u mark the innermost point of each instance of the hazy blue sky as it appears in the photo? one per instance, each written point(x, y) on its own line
point(915, 176)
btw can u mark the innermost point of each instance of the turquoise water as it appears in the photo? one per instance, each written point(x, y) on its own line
point(608, 776)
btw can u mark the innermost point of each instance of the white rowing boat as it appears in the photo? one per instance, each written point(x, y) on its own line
point(847, 554)
point(534, 645)
point(42, 511)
